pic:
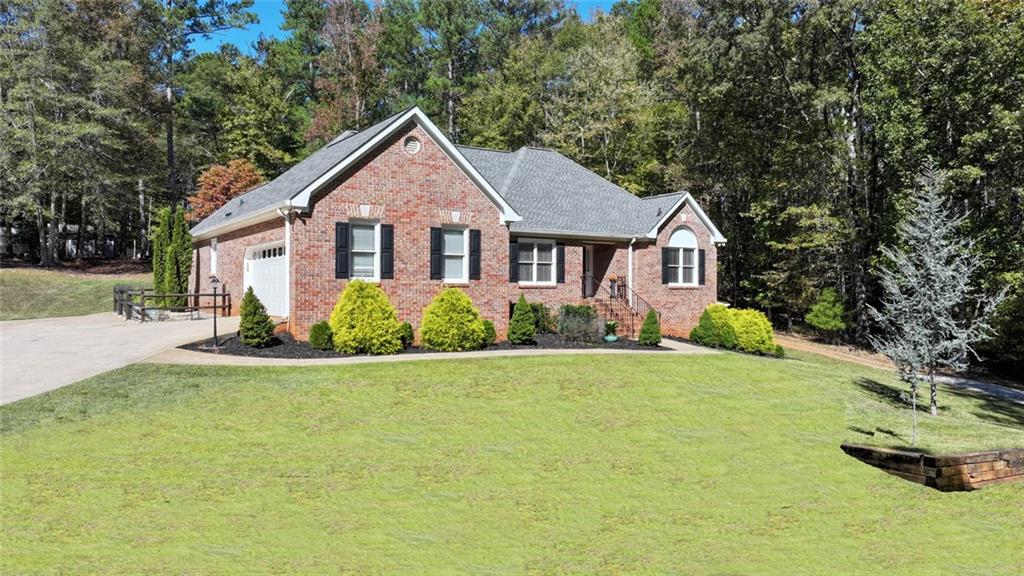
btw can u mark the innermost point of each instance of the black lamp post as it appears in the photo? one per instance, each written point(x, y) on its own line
point(214, 283)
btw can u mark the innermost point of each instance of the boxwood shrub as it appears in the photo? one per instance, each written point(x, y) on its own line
point(715, 328)
point(451, 323)
point(364, 322)
point(320, 336)
point(736, 329)
point(407, 335)
point(490, 334)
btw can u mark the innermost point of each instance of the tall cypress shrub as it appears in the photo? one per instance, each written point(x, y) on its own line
point(522, 328)
point(160, 241)
point(178, 259)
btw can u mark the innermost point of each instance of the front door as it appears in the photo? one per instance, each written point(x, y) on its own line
point(588, 271)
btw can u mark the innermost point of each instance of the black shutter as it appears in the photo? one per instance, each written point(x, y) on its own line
point(664, 265)
point(341, 259)
point(700, 267)
point(387, 251)
point(435, 253)
point(560, 263)
point(474, 254)
point(513, 261)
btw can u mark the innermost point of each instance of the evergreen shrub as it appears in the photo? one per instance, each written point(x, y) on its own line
point(578, 323)
point(255, 326)
point(451, 323)
point(490, 334)
point(364, 322)
point(523, 327)
point(320, 336)
point(650, 332)
point(407, 335)
point(715, 328)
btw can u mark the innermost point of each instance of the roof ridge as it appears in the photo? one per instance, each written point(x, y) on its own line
point(484, 148)
point(666, 194)
point(518, 159)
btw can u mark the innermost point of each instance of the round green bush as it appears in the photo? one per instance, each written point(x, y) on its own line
point(451, 323)
point(320, 336)
point(780, 352)
point(490, 334)
point(407, 335)
point(753, 331)
point(255, 326)
point(522, 328)
point(827, 314)
point(650, 332)
point(579, 323)
point(364, 322)
point(715, 328)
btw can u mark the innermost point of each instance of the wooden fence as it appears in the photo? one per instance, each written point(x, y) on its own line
point(146, 304)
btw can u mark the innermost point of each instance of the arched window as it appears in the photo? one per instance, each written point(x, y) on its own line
point(681, 258)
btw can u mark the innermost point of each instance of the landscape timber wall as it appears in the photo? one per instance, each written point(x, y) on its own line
point(949, 473)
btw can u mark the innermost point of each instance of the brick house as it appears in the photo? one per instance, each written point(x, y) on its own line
point(400, 205)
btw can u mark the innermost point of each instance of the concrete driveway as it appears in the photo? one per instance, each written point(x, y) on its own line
point(40, 355)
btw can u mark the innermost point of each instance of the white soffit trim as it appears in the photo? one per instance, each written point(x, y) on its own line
point(716, 236)
point(267, 214)
point(508, 214)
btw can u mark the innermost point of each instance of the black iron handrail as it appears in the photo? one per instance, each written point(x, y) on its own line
point(640, 306)
point(621, 294)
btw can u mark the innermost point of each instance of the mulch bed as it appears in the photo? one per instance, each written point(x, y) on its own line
point(284, 346)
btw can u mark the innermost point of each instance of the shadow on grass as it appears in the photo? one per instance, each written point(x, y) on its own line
point(893, 396)
point(882, 431)
point(1000, 411)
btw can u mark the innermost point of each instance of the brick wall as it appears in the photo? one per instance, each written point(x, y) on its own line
point(419, 191)
point(680, 306)
point(231, 258)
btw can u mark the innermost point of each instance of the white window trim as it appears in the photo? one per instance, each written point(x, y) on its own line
point(679, 251)
point(465, 255)
point(554, 261)
point(376, 250)
point(213, 256)
point(681, 267)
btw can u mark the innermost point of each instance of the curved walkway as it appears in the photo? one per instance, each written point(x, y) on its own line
point(179, 356)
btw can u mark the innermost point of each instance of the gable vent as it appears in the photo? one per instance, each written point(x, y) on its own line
point(412, 145)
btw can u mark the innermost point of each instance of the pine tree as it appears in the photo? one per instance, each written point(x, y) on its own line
point(930, 314)
point(650, 332)
point(522, 328)
point(827, 314)
point(255, 326)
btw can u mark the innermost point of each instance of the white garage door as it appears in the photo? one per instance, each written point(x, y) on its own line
point(265, 272)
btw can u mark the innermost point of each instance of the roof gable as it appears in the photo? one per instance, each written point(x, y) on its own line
point(294, 188)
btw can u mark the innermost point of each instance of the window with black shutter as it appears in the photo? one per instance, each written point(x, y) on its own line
point(474, 254)
point(387, 251)
point(436, 240)
point(341, 250)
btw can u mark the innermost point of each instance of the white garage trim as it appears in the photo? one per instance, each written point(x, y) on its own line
point(263, 258)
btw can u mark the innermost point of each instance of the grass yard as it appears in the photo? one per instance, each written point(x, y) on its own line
point(716, 464)
point(32, 293)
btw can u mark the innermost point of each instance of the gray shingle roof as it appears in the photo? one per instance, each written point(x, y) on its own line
point(294, 180)
point(552, 193)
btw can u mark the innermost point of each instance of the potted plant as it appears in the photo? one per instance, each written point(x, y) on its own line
point(609, 331)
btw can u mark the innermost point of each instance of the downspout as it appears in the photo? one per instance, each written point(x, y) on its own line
point(629, 273)
point(286, 213)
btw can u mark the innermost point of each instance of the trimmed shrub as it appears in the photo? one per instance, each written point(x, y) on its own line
point(578, 323)
point(451, 323)
point(320, 336)
point(255, 327)
point(650, 332)
point(523, 327)
point(544, 320)
point(407, 335)
point(753, 331)
point(364, 322)
point(715, 328)
point(490, 334)
point(780, 352)
point(827, 313)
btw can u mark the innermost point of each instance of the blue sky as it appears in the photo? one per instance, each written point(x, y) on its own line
point(269, 12)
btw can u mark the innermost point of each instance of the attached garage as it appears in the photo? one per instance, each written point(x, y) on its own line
point(266, 270)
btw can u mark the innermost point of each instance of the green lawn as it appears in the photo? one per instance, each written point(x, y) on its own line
point(29, 293)
point(716, 464)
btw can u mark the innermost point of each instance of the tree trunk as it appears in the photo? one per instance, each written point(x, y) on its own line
point(44, 252)
point(52, 234)
point(934, 403)
point(143, 229)
point(81, 229)
point(913, 411)
point(172, 176)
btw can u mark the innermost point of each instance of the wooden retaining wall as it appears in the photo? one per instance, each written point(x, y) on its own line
point(948, 473)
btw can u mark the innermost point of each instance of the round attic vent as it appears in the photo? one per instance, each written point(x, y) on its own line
point(412, 145)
